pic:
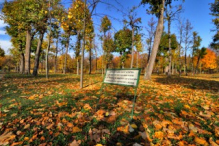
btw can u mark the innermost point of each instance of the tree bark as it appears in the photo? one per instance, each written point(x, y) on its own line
point(170, 53)
point(132, 48)
point(37, 55)
point(27, 52)
point(90, 61)
point(82, 51)
point(159, 31)
point(66, 53)
point(56, 53)
point(22, 60)
point(78, 64)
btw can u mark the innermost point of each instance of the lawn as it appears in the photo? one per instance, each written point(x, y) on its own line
point(177, 111)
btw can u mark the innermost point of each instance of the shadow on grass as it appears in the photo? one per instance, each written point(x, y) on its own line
point(191, 83)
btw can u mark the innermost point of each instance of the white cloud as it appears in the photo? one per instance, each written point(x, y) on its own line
point(2, 24)
point(5, 45)
point(2, 32)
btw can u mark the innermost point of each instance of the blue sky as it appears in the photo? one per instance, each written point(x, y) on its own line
point(196, 11)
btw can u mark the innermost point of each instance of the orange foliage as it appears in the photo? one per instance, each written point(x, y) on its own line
point(210, 60)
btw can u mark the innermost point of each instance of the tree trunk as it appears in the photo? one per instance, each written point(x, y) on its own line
point(170, 53)
point(66, 53)
point(132, 48)
point(196, 68)
point(159, 31)
point(90, 63)
point(47, 57)
point(137, 59)
point(96, 58)
point(22, 60)
point(37, 55)
point(185, 64)
point(78, 64)
point(82, 51)
point(56, 53)
point(27, 52)
point(149, 52)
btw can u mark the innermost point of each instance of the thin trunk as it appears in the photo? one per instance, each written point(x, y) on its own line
point(66, 53)
point(132, 61)
point(185, 64)
point(196, 68)
point(159, 31)
point(90, 63)
point(78, 64)
point(37, 55)
point(22, 60)
point(56, 53)
point(137, 59)
point(96, 58)
point(27, 52)
point(82, 51)
point(47, 57)
point(170, 53)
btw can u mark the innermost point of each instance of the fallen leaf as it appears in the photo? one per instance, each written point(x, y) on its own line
point(201, 141)
point(74, 143)
point(76, 129)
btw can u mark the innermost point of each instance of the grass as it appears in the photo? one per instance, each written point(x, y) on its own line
point(48, 106)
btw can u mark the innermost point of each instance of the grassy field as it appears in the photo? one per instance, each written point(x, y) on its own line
point(177, 111)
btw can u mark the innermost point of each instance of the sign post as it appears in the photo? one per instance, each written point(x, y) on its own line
point(123, 77)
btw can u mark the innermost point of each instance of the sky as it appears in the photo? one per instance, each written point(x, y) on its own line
point(196, 11)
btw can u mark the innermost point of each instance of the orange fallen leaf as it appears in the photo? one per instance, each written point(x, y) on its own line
point(159, 135)
point(17, 143)
point(76, 129)
point(201, 141)
point(26, 138)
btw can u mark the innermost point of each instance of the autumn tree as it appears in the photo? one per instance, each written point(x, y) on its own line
point(200, 53)
point(123, 44)
point(196, 43)
point(209, 62)
point(108, 47)
point(164, 48)
point(105, 27)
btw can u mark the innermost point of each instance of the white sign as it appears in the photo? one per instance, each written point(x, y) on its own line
point(122, 77)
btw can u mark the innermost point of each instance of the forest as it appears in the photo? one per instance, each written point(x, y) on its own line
point(52, 78)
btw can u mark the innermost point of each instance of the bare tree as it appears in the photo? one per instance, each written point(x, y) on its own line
point(187, 41)
point(180, 28)
point(170, 16)
point(151, 29)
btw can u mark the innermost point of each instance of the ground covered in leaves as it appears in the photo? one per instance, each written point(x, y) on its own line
point(168, 111)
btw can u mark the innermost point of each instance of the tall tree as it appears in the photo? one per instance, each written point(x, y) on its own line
point(180, 28)
point(200, 54)
point(133, 22)
point(123, 44)
point(196, 43)
point(156, 7)
point(151, 33)
point(105, 27)
point(108, 47)
point(187, 41)
point(170, 16)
